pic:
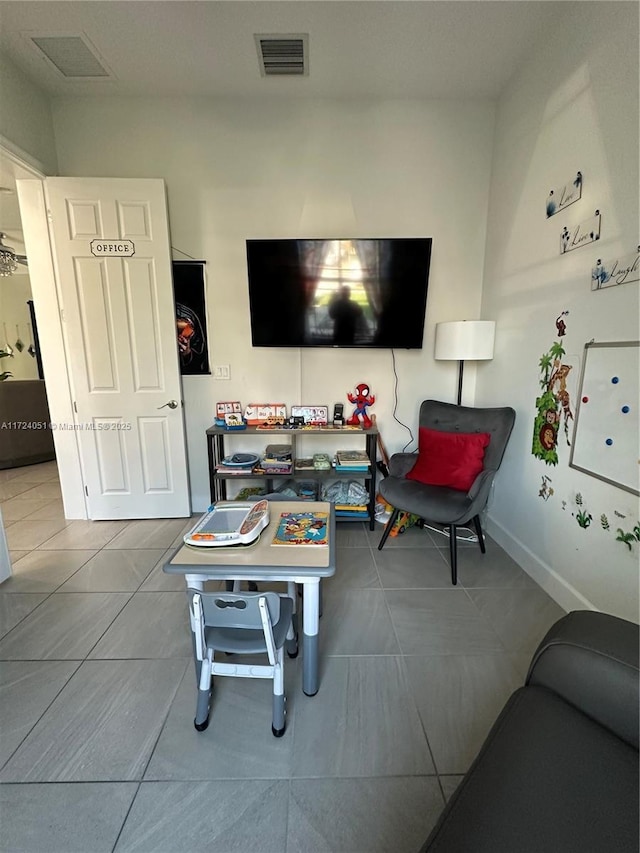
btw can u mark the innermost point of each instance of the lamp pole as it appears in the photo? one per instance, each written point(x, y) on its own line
point(460, 372)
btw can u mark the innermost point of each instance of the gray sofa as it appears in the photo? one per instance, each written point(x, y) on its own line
point(27, 438)
point(558, 772)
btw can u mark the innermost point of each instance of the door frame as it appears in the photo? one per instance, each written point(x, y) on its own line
point(46, 298)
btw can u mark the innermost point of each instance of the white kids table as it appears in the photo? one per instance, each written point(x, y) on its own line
point(262, 561)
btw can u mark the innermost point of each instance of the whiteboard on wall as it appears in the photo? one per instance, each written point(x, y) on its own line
point(606, 435)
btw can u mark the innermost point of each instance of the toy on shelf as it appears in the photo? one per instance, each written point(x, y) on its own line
point(321, 462)
point(273, 422)
point(313, 415)
point(238, 464)
point(363, 398)
point(227, 408)
point(257, 414)
point(233, 421)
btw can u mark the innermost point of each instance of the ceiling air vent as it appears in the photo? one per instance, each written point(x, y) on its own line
point(282, 55)
point(72, 55)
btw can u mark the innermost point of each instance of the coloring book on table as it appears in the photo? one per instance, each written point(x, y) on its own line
point(302, 528)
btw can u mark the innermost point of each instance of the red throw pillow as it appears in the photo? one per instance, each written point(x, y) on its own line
point(451, 459)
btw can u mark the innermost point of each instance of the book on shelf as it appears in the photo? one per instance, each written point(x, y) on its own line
point(351, 469)
point(352, 458)
point(304, 463)
point(235, 471)
point(302, 528)
point(270, 469)
point(351, 507)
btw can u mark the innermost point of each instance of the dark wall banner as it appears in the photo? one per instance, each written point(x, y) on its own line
point(191, 317)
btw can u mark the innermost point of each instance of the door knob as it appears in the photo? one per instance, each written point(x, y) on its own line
point(173, 404)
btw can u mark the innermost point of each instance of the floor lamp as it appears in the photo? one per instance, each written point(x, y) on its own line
point(465, 340)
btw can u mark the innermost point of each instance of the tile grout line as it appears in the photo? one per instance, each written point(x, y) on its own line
point(126, 817)
point(485, 620)
point(166, 717)
point(405, 674)
point(63, 686)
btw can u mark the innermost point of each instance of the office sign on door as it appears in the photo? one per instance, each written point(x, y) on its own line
point(112, 248)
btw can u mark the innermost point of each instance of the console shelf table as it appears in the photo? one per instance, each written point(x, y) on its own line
point(216, 451)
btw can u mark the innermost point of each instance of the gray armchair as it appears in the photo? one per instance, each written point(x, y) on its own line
point(442, 504)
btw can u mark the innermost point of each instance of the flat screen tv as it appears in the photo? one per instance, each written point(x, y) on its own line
point(338, 293)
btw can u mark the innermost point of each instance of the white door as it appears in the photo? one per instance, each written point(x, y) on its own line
point(111, 252)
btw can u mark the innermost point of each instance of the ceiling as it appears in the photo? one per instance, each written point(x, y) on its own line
point(357, 48)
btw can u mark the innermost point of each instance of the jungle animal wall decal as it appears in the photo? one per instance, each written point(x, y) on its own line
point(554, 403)
point(628, 538)
point(555, 409)
point(546, 489)
point(581, 515)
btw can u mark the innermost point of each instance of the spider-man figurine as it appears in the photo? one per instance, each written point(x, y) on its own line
point(362, 398)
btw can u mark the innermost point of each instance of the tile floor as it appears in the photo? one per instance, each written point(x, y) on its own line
point(98, 750)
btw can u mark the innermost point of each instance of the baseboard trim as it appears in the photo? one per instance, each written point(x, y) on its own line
point(557, 587)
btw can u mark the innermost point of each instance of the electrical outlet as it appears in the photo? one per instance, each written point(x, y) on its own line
point(221, 371)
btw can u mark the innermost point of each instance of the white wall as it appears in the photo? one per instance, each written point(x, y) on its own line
point(25, 116)
point(573, 106)
point(26, 126)
point(237, 169)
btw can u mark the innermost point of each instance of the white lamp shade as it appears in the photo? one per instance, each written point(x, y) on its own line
point(465, 340)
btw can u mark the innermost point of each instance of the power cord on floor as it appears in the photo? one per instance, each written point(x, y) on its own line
point(395, 403)
point(383, 517)
point(472, 537)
